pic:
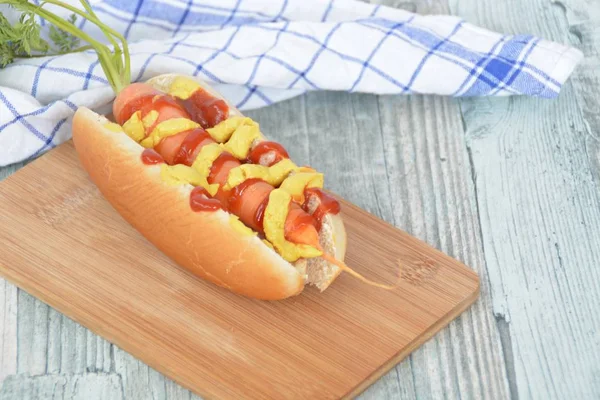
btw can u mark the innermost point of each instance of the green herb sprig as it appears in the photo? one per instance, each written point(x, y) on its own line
point(23, 38)
point(64, 40)
point(20, 39)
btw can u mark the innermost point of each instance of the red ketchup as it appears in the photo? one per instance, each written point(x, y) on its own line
point(200, 200)
point(151, 157)
point(236, 204)
point(130, 108)
point(166, 100)
point(150, 102)
point(263, 148)
point(208, 111)
point(205, 109)
point(299, 221)
point(186, 155)
point(219, 172)
point(167, 108)
point(328, 204)
point(260, 213)
point(217, 165)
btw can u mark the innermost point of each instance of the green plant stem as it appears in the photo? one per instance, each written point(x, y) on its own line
point(118, 52)
point(115, 64)
point(91, 16)
point(60, 53)
point(127, 69)
point(101, 49)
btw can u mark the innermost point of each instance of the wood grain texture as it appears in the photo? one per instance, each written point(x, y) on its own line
point(429, 191)
point(523, 351)
point(208, 339)
point(378, 151)
point(429, 154)
point(89, 386)
point(441, 368)
point(536, 166)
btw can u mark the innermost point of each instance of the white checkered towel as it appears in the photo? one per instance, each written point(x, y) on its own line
point(257, 52)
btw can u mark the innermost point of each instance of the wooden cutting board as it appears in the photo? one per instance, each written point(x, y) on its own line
point(64, 244)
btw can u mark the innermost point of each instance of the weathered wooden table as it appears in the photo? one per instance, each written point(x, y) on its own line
point(509, 186)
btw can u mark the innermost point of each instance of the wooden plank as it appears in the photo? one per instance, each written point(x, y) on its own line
point(406, 204)
point(536, 169)
point(207, 338)
point(434, 198)
point(88, 386)
point(382, 153)
point(9, 170)
point(67, 344)
point(8, 329)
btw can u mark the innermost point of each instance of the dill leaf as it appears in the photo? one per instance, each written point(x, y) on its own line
point(23, 38)
point(63, 39)
point(20, 39)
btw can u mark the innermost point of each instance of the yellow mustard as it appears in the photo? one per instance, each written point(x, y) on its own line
point(274, 174)
point(134, 127)
point(183, 87)
point(280, 170)
point(168, 128)
point(150, 118)
point(274, 222)
point(298, 181)
point(241, 140)
point(223, 130)
point(239, 226)
point(207, 156)
point(111, 126)
point(180, 174)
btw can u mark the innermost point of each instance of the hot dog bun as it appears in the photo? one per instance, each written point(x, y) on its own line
point(205, 243)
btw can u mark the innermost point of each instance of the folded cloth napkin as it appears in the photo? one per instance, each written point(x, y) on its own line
point(258, 52)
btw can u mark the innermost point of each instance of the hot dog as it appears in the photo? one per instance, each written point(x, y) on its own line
point(196, 178)
point(239, 216)
point(202, 183)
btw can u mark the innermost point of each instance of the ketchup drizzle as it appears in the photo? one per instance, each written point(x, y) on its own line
point(200, 200)
point(263, 148)
point(151, 157)
point(163, 100)
point(327, 205)
point(260, 213)
point(216, 166)
point(208, 111)
point(235, 204)
point(205, 109)
point(130, 108)
point(189, 144)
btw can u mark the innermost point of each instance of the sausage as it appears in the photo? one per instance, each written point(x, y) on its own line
point(267, 153)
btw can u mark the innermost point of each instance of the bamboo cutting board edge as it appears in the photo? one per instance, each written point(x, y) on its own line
point(406, 351)
point(415, 344)
point(55, 301)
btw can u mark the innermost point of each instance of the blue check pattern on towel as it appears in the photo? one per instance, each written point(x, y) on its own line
point(258, 52)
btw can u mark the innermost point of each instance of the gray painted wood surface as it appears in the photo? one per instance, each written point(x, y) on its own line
point(508, 186)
